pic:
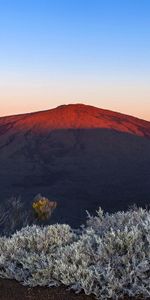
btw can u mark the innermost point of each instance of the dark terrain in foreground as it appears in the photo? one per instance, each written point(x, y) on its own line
point(12, 290)
point(81, 156)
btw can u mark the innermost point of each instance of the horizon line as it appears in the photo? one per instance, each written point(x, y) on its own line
point(72, 104)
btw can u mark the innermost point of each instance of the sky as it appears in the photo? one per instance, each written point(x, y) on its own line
point(54, 52)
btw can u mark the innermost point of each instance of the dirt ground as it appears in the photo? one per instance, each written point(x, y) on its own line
point(12, 290)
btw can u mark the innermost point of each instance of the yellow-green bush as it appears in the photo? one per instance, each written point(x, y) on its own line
point(43, 208)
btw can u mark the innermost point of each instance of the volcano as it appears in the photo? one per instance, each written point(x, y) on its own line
point(79, 155)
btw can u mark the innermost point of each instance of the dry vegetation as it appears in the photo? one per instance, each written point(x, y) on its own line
point(14, 214)
point(108, 258)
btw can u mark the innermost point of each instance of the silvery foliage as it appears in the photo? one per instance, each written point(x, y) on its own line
point(13, 215)
point(109, 257)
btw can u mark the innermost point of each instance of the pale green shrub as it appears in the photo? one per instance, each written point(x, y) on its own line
point(109, 257)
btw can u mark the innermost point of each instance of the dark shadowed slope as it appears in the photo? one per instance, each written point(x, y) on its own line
point(79, 155)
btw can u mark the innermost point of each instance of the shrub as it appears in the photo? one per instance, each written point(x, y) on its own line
point(13, 215)
point(43, 208)
point(109, 257)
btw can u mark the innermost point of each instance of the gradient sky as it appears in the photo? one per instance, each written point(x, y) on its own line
point(68, 51)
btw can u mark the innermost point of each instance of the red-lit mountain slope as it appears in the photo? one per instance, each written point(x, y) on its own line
point(76, 116)
point(81, 156)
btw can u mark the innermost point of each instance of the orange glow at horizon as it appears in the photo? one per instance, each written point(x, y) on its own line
point(24, 96)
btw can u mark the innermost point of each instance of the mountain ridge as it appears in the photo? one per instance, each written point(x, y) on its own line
point(78, 116)
point(73, 105)
point(80, 156)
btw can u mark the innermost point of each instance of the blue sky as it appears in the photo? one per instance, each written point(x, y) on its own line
point(54, 52)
